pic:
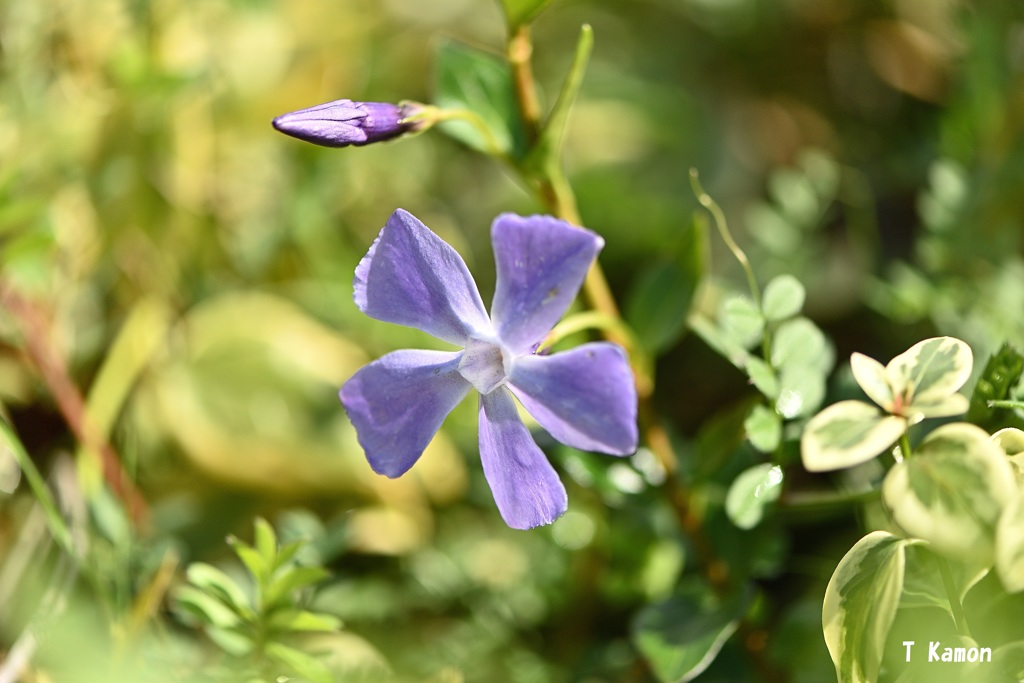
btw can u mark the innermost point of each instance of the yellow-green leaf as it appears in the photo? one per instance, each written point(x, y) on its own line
point(1010, 545)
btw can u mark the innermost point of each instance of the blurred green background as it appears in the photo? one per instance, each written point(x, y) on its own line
point(195, 270)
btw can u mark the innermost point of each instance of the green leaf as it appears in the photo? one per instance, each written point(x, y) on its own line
point(681, 636)
point(753, 491)
point(952, 491)
point(303, 620)
point(795, 195)
point(300, 663)
point(293, 579)
point(803, 357)
point(741, 321)
point(1010, 545)
point(547, 151)
point(660, 300)
point(801, 390)
point(519, 12)
point(860, 605)
point(255, 562)
point(931, 370)
point(480, 82)
point(265, 541)
point(718, 340)
point(204, 607)
point(783, 298)
point(218, 584)
point(801, 343)
point(763, 376)
point(846, 434)
point(764, 428)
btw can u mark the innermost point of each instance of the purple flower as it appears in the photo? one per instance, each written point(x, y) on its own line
point(584, 397)
point(343, 122)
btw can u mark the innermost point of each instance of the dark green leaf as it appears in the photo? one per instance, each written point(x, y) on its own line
point(660, 301)
point(480, 82)
point(681, 636)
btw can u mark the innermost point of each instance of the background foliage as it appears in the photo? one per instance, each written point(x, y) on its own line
point(190, 269)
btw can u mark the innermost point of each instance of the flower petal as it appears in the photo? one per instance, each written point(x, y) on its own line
point(541, 263)
point(585, 397)
point(398, 402)
point(412, 277)
point(526, 487)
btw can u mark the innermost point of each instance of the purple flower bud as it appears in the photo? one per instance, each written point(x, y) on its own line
point(343, 122)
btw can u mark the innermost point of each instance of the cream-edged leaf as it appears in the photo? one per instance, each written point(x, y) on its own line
point(954, 404)
point(1010, 545)
point(952, 491)
point(860, 605)
point(846, 434)
point(871, 376)
point(930, 370)
point(1010, 439)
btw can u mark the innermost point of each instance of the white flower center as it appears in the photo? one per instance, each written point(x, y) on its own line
point(483, 365)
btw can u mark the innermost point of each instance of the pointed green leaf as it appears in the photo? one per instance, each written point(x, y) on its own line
point(872, 378)
point(548, 148)
point(203, 606)
point(681, 636)
point(265, 541)
point(846, 434)
point(297, 662)
point(234, 640)
point(952, 491)
point(751, 493)
point(764, 428)
point(783, 298)
point(930, 370)
point(218, 584)
point(479, 82)
point(288, 552)
point(1010, 545)
point(292, 579)
point(860, 605)
point(251, 558)
point(302, 620)
point(519, 12)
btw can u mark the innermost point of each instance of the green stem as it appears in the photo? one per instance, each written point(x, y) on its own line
point(712, 207)
point(473, 119)
point(812, 502)
point(959, 617)
point(905, 446)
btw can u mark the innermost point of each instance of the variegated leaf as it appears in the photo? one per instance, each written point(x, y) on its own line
point(1010, 545)
point(860, 605)
point(872, 378)
point(930, 370)
point(846, 434)
point(952, 491)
